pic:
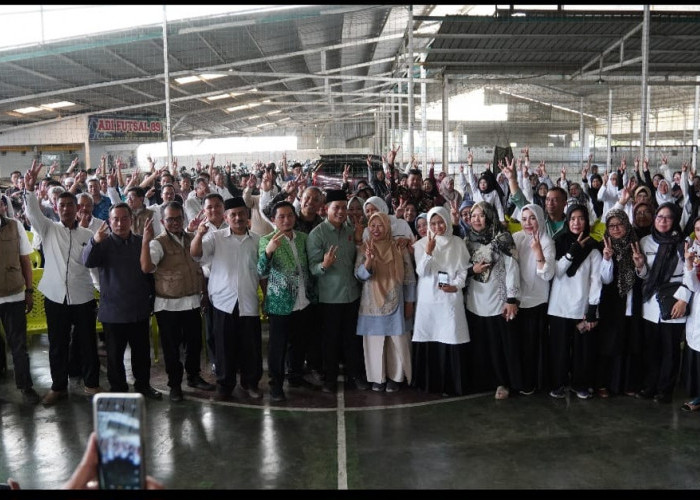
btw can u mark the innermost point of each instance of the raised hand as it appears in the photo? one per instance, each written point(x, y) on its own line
point(470, 157)
point(369, 255)
point(148, 230)
point(430, 246)
point(637, 256)
point(454, 212)
point(102, 232)
point(392, 154)
point(607, 249)
point(330, 256)
point(535, 242)
point(346, 173)
point(274, 243)
point(581, 240)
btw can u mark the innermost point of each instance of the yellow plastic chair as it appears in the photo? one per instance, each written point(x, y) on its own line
point(36, 319)
point(35, 259)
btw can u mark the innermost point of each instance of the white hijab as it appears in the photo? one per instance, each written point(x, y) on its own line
point(449, 254)
point(399, 227)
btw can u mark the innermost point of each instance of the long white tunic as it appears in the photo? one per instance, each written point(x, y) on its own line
point(440, 316)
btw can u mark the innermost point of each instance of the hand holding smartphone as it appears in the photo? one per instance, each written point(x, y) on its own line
point(119, 420)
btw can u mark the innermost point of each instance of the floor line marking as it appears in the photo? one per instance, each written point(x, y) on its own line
point(342, 442)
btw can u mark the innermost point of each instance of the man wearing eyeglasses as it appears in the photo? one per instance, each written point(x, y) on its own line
point(178, 285)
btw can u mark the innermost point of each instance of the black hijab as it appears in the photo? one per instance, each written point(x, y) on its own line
point(567, 242)
point(671, 248)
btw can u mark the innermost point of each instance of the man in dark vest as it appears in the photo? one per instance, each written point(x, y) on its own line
point(16, 299)
point(178, 285)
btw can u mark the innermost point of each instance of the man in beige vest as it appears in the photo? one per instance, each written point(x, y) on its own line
point(178, 284)
point(16, 298)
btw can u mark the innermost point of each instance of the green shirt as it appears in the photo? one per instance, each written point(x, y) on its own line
point(337, 284)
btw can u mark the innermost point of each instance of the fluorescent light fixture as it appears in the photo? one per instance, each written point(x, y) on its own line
point(243, 106)
point(252, 117)
point(211, 76)
point(187, 79)
point(29, 109)
point(59, 104)
point(277, 112)
point(199, 78)
point(223, 96)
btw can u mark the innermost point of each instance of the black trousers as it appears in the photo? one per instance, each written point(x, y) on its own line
point(15, 324)
point(532, 324)
point(238, 348)
point(136, 335)
point(60, 319)
point(286, 344)
point(502, 344)
point(340, 334)
point(571, 354)
point(661, 356)
point(180, 329)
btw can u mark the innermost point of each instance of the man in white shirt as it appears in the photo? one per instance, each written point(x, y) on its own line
point(68, 289)
point(233, 291)
point(194, 204)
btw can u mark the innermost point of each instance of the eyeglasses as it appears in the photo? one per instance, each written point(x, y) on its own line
point(664, 217)
point(644, 212)
point(615, 226)
point(170, 220)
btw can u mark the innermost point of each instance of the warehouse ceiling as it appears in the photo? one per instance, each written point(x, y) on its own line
point(329, 64)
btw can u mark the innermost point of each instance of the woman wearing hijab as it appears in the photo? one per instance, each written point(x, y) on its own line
point(618, 340)
point(449, 193)
point(420, 225)
point(659, 259)
point(663, 193)
point(485, 188)
point(442, 260)
point(573, 303)
point(400, 229)
point(461, 219)
point(388, 297)
point(537, 263)
point(642, 218)
point(609, 192)
point(493, 293)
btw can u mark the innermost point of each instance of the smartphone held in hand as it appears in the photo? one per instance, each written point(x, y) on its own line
point(443, 279)
point(119, 420)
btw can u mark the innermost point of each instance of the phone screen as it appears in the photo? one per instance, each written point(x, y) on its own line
point(119, 424)
point(443, 278)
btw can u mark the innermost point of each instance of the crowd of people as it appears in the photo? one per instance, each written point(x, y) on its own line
point(515, 283)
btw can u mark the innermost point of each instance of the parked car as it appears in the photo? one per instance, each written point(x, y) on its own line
point(328, 171)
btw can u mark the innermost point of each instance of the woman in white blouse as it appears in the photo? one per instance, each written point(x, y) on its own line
point(537, 264)
point(440, 330)
point(573, 303)
point(493, 293)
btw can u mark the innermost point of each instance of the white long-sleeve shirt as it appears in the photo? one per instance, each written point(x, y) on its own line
point(65, 276)
point(233, 275)
point(650, 309)
point(534, 283)
point(570, 296)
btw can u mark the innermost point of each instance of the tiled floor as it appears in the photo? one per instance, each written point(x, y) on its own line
point(365, 440)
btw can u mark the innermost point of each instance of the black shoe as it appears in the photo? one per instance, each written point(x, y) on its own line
point(176, 394)
point(663, 398)
point(277, 394)
point(329, 387)
point(643, 394)
point(30, 396)
point(361, 384)
point(223, 393)
point(150, 392)
point(199, 383)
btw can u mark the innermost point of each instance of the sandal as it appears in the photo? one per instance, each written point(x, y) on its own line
point(502, 392)
point(693, 405)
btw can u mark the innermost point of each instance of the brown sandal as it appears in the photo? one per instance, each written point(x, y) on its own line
point(691, 406)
